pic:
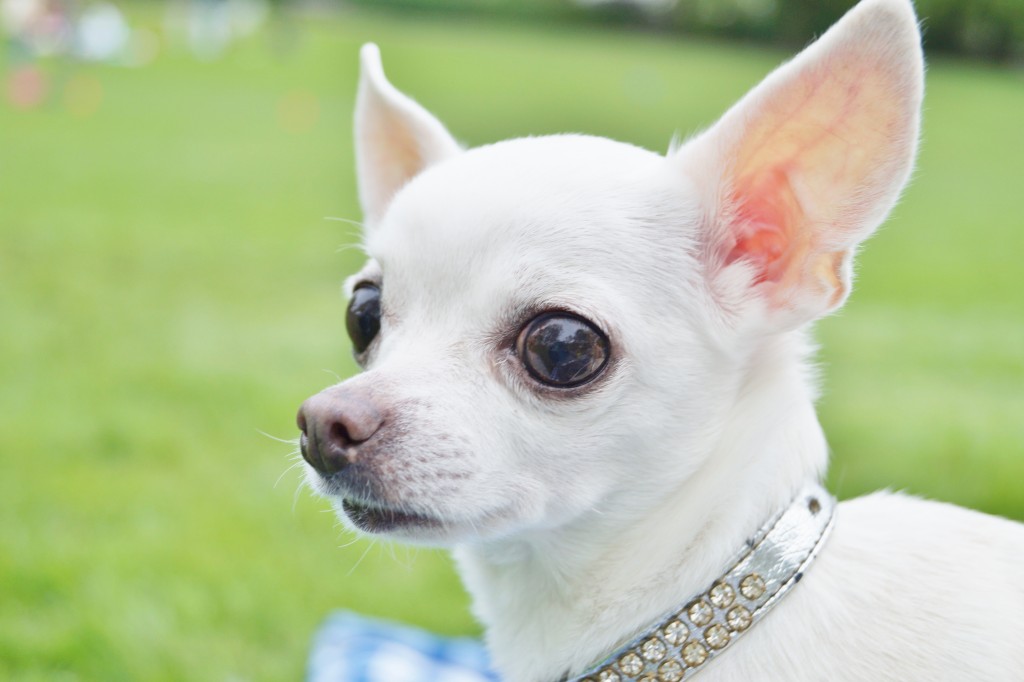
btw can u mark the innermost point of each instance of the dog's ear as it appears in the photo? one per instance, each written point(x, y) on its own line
point(810, 162)
point(396, 138)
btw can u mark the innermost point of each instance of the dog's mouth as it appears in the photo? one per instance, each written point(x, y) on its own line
point(376, 519)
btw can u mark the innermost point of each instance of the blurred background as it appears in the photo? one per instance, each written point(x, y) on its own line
point(171, 179)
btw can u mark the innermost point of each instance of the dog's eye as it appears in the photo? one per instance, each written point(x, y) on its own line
point(562, 350)
point(363, 318)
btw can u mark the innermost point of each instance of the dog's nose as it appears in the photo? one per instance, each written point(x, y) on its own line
point(333, 423)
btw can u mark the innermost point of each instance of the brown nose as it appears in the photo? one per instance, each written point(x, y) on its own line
point(333, 423)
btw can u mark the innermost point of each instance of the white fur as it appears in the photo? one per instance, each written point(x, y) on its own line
point(577, 520)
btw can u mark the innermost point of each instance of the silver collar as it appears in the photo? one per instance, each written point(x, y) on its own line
point(771, 563)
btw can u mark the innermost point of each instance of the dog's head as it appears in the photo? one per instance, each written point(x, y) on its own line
point(541, 320)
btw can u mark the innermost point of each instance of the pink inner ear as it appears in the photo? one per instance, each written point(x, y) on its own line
point(766, 227)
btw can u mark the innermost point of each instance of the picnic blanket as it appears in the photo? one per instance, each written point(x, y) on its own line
point(353, 648)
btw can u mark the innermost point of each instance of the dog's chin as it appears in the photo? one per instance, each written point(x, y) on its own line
point(414, 527)
point(422, 524)
point(381, 520)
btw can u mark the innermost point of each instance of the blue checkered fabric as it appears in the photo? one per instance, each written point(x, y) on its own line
point(352, 648)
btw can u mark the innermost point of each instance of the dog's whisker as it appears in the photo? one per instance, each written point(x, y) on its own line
point(295, 495)
point(285, 472)
point(345, 248)
point(355, 536)
point(365, 552)
point(286, 441)
point(411, 554)
point(352, 235)
point(337, 377)
point(349, 221)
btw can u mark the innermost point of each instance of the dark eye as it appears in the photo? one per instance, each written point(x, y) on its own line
point(562, 350)
point(363, 318)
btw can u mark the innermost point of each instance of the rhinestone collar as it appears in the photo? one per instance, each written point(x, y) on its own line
point(771, 563)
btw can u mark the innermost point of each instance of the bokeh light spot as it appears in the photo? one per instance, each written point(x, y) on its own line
point(27, 87)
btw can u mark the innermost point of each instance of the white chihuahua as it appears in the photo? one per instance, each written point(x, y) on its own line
point(587, 370)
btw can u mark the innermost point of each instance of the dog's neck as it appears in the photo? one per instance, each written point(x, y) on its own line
point(560, 600)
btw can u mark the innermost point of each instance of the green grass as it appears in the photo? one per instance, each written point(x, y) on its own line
point(169, 289)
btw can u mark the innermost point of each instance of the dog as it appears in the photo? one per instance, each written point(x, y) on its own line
point(588, 371)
